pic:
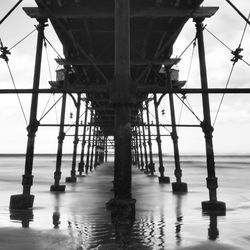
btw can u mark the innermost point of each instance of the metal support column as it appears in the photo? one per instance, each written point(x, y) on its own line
point(25, 200)
point(106, 148)
point(57, 174)
point(151, 163)
point(212, 204)
point(162, 178)
point(122, 206)
point(81, 163)
point(144, 142)
point(89, 143)
point(178, 186)
point(92, 149)
point(72, 177)
point(137, 156)
point(140, 147)
point(97, 138)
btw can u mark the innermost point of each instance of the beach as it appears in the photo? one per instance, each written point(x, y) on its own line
point(78, 218)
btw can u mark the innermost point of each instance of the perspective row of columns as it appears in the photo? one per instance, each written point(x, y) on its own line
point(123, 134)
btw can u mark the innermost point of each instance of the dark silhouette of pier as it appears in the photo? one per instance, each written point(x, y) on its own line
point(117, 62)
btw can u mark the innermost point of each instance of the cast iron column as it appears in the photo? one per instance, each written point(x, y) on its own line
point(92, 149)
point(89, 142)
point(144, 142)
point(57, 174)
point(140, 146)
point(122, 206)
point(106, 148)
point(72, 177)
point(212, 204)
point(97, 138)
point(162, 178)
point(151, 165)
point(81, 163)
point(137, 156)
point(178, 186)
point(25, 200)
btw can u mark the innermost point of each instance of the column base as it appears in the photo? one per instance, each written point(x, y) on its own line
point(81, 175)
point(179, 187)
point(57, 188)
point(122, 211)
point(21, 201)
point(214, 207)
point(164, 180)
point(71, 179)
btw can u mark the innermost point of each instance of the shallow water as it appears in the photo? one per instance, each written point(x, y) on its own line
point(77, 219)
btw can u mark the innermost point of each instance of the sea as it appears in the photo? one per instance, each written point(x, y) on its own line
point(78, 218)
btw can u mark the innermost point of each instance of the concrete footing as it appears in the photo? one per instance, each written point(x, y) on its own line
point(122, 211)
point(179, 187)
point(21, 201)
point(214, 207)
point(57, 188)
point(70, 179)
point(164, 179)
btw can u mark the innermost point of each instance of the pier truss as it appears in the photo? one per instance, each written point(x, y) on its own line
point(117, 59)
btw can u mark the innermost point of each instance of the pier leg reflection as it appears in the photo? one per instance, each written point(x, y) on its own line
point(179, 218)
point(56, 214)
point(23, 216)
point(213, 232)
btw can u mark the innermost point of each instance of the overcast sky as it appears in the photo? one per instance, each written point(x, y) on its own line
point(231, 135)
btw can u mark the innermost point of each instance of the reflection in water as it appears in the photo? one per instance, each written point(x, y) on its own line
point(23, 216)
point(178, 223)
point(213, 232)
point(161, 225)
point(123, 235)
point(56, 213)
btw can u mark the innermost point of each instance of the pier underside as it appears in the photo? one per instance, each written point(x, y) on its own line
point(116, 53)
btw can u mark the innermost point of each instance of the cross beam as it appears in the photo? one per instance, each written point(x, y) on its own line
point(89, 13)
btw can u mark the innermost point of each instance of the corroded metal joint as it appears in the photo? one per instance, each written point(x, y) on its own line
point(76, 141)
point(178, 172)
point(57, 174)
point(27, 180)
point(158, 139)
point(212, 183)
point(61, 137)
point(174, 136)
point(206, 127)
point(32, 128)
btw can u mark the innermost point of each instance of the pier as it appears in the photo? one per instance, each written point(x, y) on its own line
point(117, 69)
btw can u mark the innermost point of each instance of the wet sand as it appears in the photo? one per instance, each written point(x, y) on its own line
point(78, 219)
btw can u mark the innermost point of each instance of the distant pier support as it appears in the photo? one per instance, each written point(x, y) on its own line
point(25, 200)
point(162, 178)
point(178, 186)
point(144, 142)
point(140, 145)
point(92, 148)
point(81, 163)
point(57, 174)
point(106, 148)
point(151, 165)
point(87, 165)
point(72, 177)
point(213, 205)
